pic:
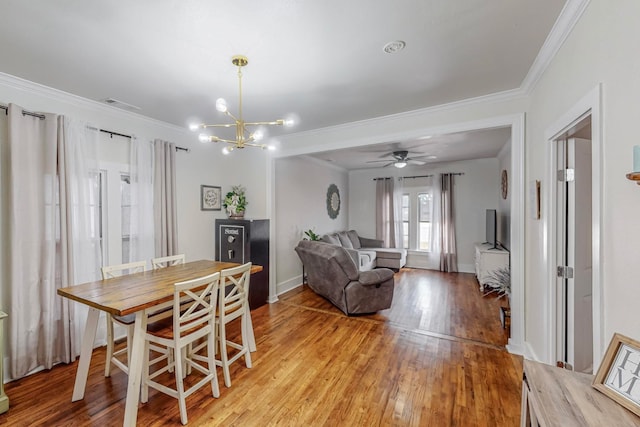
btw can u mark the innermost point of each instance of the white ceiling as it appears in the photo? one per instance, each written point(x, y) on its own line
point(322, 61)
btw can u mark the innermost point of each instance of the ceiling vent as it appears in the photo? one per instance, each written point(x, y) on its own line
point(120, 104)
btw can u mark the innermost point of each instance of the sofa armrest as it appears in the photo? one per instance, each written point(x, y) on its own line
point(375, 276)
point(355, 256)
point(370, 243)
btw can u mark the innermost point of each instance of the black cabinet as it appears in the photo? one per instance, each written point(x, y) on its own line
point(244, 240)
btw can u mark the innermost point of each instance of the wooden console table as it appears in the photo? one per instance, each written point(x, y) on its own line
point(557, 397)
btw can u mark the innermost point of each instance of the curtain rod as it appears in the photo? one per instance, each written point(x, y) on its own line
point(42, 117)
point(24, 112)
point(111, 133)
point(416, 176)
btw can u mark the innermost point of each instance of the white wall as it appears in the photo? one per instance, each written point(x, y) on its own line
point(601, 49)
point(474, 192)
point(301, 185)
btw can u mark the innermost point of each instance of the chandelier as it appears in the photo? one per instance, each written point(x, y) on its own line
point(244, 138)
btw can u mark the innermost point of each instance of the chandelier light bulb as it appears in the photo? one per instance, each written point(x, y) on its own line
point(194, 127)
point(203, 138)
point(221, 105)
point(258, 134)
point(227, 150)
point(271, 147)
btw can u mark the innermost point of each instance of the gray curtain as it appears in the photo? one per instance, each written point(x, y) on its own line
point(385, 215)
point(448, 252)
point(164, 198)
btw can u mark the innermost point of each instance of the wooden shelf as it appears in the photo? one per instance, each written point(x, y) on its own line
point(634, 176)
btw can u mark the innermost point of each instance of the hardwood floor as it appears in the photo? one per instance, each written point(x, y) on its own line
point(435, 358)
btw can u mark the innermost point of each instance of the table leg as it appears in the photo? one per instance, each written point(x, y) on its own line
point(86, 350)
point(135, 369)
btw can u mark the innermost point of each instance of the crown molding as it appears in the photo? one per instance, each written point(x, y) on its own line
point(57, 95)
point(507, 95)
point(569, 16)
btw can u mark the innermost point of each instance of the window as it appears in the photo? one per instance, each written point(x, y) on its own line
point(405, 220)
point(125, 215)
point(424, 221)
point(417, 206)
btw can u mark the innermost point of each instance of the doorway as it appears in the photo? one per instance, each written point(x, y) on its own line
point(573, 238)
point(573, 243)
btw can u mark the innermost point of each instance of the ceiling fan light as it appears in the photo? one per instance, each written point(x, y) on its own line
point(400, 164)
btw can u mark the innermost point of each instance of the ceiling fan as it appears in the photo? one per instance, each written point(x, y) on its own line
point(401, 159)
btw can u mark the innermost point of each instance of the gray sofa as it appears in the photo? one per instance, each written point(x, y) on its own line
point(367, 253)
point(332, 273)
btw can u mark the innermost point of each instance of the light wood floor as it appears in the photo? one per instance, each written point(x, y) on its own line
point(435, 358)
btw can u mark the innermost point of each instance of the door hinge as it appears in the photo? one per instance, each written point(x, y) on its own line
point(565, 272)
point(566, 175)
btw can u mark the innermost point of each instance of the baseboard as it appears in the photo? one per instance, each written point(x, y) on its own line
point(466, 268)
point(288, 285)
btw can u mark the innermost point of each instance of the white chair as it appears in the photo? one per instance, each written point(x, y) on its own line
point(233, 303)
point(167, 261)
point(126, 321)
point(193, 319)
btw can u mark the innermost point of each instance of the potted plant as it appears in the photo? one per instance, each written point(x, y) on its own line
point(498, 282)
point(235, 202)
point(311, 235)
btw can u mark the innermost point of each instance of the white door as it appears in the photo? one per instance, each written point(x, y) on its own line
point(574, 249)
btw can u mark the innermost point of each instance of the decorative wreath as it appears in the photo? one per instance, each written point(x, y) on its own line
point(333, 201)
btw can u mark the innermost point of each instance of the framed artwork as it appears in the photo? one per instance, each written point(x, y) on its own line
point(619, 374)
point(210, 198)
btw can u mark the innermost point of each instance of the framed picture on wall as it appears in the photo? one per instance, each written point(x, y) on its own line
point(619, 374)
point(210, 198)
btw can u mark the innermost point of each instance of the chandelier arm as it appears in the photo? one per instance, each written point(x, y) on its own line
point(228, 113)
point(228, 141)
point(251, 144)
point(219, 126)
point(275, 123)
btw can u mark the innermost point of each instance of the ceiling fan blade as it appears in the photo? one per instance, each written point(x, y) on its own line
point(416, 162)
point(378, 161)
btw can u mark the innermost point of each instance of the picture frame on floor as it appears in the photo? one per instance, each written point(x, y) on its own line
point(210, 198)
point(619, 374)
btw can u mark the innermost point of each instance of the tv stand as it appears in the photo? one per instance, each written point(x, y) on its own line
point(489, 259)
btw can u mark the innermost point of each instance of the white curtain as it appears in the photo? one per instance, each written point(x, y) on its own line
point(385, 215)
point(447, 237)
point(141, 231)
point(164, 198)
point(398, 230)
point(80, 246)
point(49, 232)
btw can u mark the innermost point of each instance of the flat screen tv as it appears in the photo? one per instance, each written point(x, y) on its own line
point(491, 228)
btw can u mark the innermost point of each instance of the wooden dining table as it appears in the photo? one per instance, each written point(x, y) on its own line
point(137, 294)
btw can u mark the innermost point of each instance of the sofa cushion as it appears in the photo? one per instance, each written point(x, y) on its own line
point(390, 253)
point(332, 239)
point(345, 240)
point(375, 276)
point(355, 239)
